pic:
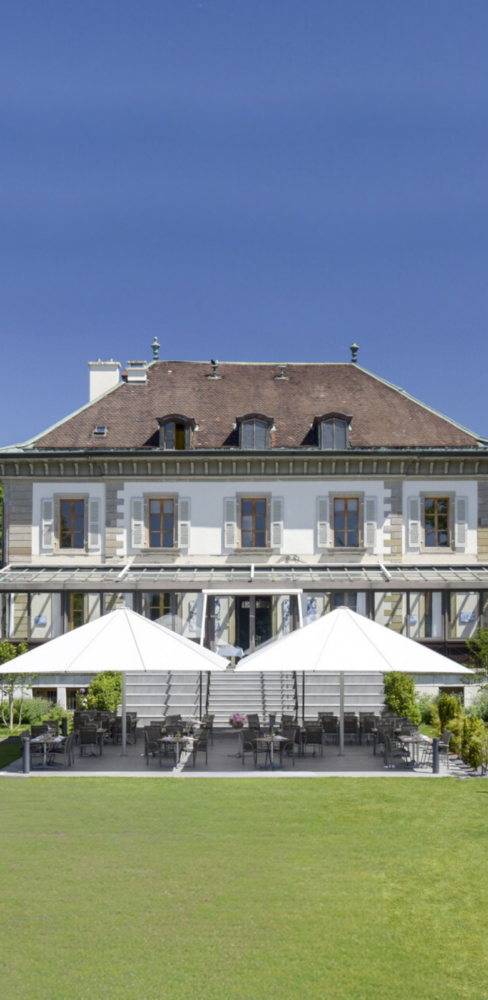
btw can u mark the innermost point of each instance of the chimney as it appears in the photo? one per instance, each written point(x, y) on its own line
point(136, 371)
point(104, 375)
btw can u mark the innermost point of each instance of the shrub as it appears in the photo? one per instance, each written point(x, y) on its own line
point(447, 708)
point(426, 704)
point(400, 696)
point(479, 708)
point(476, 737)
point(34, 710)
point(105, 691)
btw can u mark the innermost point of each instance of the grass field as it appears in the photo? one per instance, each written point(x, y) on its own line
point(248, 890)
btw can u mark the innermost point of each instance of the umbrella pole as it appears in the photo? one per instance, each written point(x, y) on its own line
point(303, 698)
point(341, 714)
point(124, 716)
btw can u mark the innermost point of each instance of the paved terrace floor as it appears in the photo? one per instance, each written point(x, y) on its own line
point(358, 761)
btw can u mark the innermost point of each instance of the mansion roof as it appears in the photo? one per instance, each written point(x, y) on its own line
point(382, 415)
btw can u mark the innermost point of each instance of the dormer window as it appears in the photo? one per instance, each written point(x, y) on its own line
point(333, 431)
point(100, 430)
point(175, 432)
point(254, 431)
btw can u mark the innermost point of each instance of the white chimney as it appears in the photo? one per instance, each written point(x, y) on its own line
point(136, 371)
point(104, 375)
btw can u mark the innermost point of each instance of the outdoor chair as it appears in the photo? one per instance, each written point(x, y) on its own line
point(292, 736)
point(200, 744)
point(152, 746)
point(174, 720)
point(313, 737)
point(330, 727)
point(287, 721)
point(39, 730)
point(396, 753)
point(250, 745)
point(254, 723)
point(131, 730)
point(89, 742)
point(351, 730)
point(368, 723)
point(428, 750)
point(208, 722)
point(64, 750)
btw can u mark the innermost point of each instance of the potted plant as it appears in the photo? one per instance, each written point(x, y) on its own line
point(237, 721)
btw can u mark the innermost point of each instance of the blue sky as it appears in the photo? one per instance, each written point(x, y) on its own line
point(248, 180)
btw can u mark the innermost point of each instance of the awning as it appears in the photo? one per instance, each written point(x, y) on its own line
point(245, 578)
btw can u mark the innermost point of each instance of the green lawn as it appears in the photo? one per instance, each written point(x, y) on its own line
point(9, 752)
point(248, 890)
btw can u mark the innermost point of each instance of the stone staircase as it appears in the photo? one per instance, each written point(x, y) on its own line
point(155, 695)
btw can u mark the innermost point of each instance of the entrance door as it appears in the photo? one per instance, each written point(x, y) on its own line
point(243, 632)
point(263, 620)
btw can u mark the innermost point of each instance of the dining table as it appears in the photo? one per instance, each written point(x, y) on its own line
point(177, 741)
point(46, 740)
point(270, 741)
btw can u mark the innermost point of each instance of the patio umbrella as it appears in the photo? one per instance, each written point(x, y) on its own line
point(121, 640)
point(345, 642)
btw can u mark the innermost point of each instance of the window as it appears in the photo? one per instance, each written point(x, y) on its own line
point(157, 605)
point(49, 694)
point(161, 524)
point(174, 435)
point(72, 524)
point(334, 434)
point(253, 524)
point(76, 610)
point(345, 599)
point(100, 430)
point(254, 435)
point(346, 522)
point(436, 521)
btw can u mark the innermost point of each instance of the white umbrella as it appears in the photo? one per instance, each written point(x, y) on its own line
point(345, 642)
point(121, 640)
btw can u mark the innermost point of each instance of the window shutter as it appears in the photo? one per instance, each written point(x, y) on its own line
point(461, 524)
point(137, 522)
point(47, 525)
point(276, 522)
point(184, 522)
point(369, 522)
point(230, 523)
point(323, 522)
point(413, 522)
point(94, 527)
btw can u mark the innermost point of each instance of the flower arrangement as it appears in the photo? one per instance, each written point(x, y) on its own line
point(237, 721)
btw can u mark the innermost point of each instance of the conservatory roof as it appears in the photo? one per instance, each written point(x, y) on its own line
point(246, 578)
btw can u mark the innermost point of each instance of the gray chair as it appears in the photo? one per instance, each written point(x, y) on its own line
point(200, 744)
point(251, 745)
point(254, 723)
point(395, 753)
point(314, 737)
point(351, 728)
point(292, 737)
point(64, 750)
point(89, 742)
point(330, 725)
point(152, 746)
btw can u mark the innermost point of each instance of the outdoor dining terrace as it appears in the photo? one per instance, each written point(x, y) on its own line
point(176, 746)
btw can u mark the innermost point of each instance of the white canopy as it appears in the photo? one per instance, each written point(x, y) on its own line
point(121, 640)
point(343, 641)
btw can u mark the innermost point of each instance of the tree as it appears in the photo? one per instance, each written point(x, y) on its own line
point(478, 660)
point(10, 682)
point(105, 691)
point(400, 696)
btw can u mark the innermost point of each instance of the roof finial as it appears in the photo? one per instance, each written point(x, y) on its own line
point(282, 372)
point(215, 365)
point(155, 349)
point(354, 353)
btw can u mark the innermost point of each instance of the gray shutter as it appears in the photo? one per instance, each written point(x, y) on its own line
point(277, 504)
point(461, 523)
point(369, 522)
point(137, 522)
point(183, 522)
point(47, 524)
point(414, 525)
point(323, 531)
point(230, 523)
point(94, 526)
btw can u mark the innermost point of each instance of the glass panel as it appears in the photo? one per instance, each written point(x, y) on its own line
point(156, 605)
point(264, 620)
point(391, 610)
point(242, 629)
point(259, 434)
point(45, 616)
point(76, 610)
point(464, 615)
point(19, 624)
point(340, 429)
point(345, 599)
point(327, 434)
point(169, 435)
point(248, 435)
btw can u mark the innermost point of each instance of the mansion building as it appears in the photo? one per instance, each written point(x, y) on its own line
point(236, 502)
